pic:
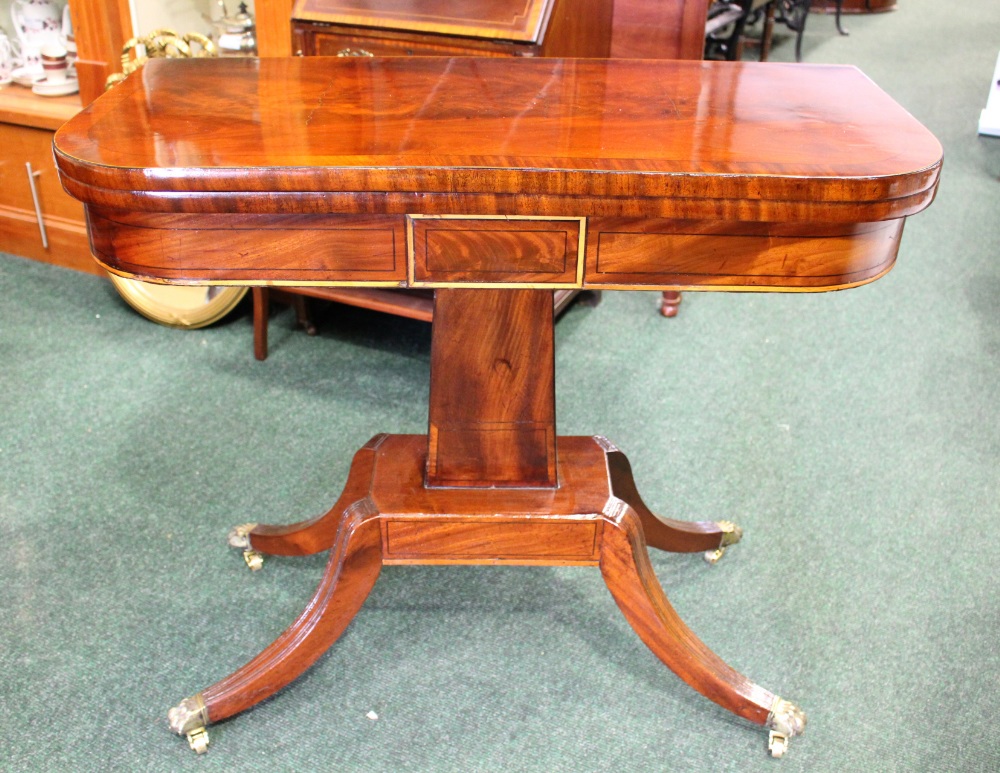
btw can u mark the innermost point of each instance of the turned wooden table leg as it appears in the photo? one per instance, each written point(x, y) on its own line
point(261, 312)
point(670, 303)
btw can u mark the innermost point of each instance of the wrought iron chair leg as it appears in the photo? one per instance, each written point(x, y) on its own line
point(840, 7)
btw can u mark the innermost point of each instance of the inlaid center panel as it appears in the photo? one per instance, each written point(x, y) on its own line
point(452, 251)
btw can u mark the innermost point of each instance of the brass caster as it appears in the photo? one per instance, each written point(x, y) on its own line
point(785, 721)
point(198, 740)
point(188, 718)
point(777, 744)
point(254, 560)
point(239, 536)
point(731, 534)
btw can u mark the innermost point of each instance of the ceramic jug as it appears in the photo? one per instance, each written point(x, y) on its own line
point(66, 36)
point(9, 57)
point(36, 22)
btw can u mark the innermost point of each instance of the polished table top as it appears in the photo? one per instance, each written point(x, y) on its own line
point(495, 181)
point(583, 128)
point(671, 174)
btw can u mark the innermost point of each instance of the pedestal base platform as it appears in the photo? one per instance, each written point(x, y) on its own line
point(387, 514)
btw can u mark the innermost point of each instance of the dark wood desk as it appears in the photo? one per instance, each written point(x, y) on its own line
point(495, 182)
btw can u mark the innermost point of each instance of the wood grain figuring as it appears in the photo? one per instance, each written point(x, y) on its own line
point(314, 535)
point(495, 251)
point(273, 248)
point(519, 20)
point(715, 175)
point(607, 129)
point(313, 41)
point(100, 28)
point(484, 204)
point(661, 533)
point(272, 27)
point(558, 138)
point(354, 565)
point(400, 468)
point(579, 28)
point(630, 578)
point(487, 343)
point(472, 254)
point(582, 522)
point(492, 540)
point(750, 256)
point(659, 29)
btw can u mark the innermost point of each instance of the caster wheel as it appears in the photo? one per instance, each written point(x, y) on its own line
point(777, 744)
point(713, 556)
point(198, 740)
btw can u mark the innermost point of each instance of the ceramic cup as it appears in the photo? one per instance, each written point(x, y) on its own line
point(36, 22)
point(54, 63)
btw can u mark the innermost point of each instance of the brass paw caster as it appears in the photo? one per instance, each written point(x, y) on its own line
point(188, 718)
point(239, 538)
point(198, 740)
point(731, 534)
point(785, 721)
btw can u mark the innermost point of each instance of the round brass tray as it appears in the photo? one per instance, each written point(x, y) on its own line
point(179, 306)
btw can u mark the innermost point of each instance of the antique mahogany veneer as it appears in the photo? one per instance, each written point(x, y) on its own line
point(493, 182)
point(445, 28)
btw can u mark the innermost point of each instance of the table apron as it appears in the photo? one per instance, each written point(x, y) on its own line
point(480, 251)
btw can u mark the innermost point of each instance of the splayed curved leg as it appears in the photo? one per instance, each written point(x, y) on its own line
point(354, 565)
point(310, 536)
point(630, 578)
point(713, 537)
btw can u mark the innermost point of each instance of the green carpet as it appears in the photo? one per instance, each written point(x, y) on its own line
point(855, 436)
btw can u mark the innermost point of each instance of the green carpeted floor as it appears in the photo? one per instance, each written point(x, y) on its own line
point(855, 436)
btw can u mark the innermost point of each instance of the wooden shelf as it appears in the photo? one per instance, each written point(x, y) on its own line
point(18, 105)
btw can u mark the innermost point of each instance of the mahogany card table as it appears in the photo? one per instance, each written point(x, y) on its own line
point(495, 182)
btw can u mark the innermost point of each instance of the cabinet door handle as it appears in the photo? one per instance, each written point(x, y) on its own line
point(38, 206)
point(354, 52)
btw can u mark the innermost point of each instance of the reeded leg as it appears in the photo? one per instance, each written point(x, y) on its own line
point(354, 565)
point(630, 578)
point(310, 536)
point(713, 537)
